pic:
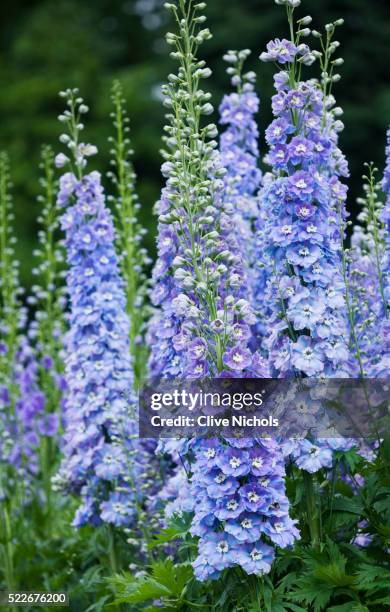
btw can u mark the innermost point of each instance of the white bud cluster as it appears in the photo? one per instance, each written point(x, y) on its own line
point(71, 117)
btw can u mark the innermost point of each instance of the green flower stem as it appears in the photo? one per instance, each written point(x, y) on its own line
point(8, 548)
point(311, 508)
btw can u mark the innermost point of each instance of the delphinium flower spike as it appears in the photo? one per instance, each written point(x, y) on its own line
point(366, 280)
point(99, 442)
point(307, 216)
point(133, 257)
point(206, 315)
point(14, 478)
point(306, 197)
point(385, 218)
point(198, 276)
point(47, 329)
point(239, 156)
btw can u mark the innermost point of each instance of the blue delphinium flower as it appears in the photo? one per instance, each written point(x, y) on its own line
point(305, 202)
point(240, 504)
point(239, 156)
point(100, 445)
point(367, 283)
point(206, 312)
point(100, 427)
point(26, 422)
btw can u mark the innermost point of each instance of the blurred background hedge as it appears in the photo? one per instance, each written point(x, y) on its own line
point(48, 45)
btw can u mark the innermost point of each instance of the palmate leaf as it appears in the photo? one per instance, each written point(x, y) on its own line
point(165, 536)
point(166, 580)
point(144, 589)
point(334, 575)
point(174, 577)
point(324, 576)
point(177, 528)
point(312, 592)
point(372, 577)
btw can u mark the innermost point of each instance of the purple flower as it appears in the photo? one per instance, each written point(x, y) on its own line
point(233, 462)
point(197, 349)
point(256, 558)
point(237, 358)
point(281, 51)
point(253, 497)
point(247, 529)
point(306, 356)
point(117, 510)
point(301, 185)
point(306, 313)
point(99, 442)
point(312, 458)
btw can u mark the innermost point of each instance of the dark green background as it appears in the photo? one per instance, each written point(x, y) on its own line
point(48, 45)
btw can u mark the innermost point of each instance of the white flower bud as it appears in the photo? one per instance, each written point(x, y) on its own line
point(207, 108)
point(305, 20)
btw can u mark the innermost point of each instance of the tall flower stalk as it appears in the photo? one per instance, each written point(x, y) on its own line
point(100, 445)
point(133, 257)
point(306, 217)
point(240, 156)
point(366, 279)
point(205, 315)
point(203, 320)
point(306, 196)
point(9, 319)
point(47, 329)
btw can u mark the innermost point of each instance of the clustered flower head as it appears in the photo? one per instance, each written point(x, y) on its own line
point(241, 511)
point(385, 218)
point(305, 200)
point(99, 442)
point(100, 426)
point(202, 326)
point(206, 313)
point(239, 156)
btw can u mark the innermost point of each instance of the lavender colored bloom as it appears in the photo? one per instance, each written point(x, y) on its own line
point(302, 237)
point(311, 457)
point(117, 510)
point(281, 51)
point(307, 357)
point(99, 441)
point(243, 500)
point(233, 462)
point(237, 358)
point(256, 558)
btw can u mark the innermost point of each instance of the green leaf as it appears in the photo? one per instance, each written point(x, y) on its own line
point(381, 600)
point(351, 606)
point(312, 592)
point(369, 576)
point(147, 588)
point(174, 577)
point(167, 535)
point(334, 574)
point(348, 504)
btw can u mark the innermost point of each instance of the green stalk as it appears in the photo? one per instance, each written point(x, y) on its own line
point(8, 550)
point(311, 508)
